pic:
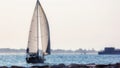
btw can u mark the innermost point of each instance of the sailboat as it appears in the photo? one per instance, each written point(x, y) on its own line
point(39, 24)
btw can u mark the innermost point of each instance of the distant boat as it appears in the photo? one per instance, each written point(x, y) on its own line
point(39, 18)
point(110, 50)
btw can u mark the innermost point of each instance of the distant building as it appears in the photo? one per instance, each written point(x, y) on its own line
point(110, 50)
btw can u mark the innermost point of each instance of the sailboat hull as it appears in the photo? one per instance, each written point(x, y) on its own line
point(34, 60)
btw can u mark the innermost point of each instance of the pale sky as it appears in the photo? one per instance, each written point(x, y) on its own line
point(73, 24)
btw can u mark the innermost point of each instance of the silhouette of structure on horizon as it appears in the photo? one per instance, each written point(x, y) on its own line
point(109, 50)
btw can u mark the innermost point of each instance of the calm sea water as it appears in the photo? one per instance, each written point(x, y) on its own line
point(19, 59)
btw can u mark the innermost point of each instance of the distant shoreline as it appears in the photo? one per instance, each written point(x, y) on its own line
point(79, 51)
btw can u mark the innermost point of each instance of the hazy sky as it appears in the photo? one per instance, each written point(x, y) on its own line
point(74, 24)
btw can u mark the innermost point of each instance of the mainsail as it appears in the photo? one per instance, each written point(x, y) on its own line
point(33, 41)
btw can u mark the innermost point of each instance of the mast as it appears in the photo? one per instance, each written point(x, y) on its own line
point(38, 4)
point(37, 29)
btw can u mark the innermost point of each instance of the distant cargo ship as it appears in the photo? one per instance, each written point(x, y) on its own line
point(110, 50)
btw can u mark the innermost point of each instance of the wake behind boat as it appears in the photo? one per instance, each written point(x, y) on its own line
point(39, 18)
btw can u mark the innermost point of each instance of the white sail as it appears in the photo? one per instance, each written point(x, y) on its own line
point(33, 34)
point(45, 33)
point(33, 42)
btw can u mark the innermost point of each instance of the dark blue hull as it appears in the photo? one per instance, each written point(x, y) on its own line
point(34, 60)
